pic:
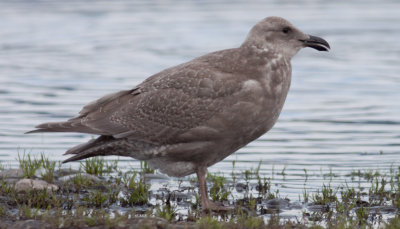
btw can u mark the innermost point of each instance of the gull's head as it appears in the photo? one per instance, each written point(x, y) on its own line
point(279, 35)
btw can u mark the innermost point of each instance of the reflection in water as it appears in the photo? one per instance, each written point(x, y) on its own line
point(342, 111)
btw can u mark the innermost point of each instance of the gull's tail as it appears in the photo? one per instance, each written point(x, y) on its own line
point(68, 126)
point(102, 146)
point(108, 145)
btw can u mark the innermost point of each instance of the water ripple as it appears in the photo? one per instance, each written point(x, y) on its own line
point(341, 114)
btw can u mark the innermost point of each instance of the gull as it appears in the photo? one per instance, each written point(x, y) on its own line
point(189, 117)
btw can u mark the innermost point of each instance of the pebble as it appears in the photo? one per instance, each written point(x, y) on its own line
point(28, 224)
point(11, 173)
point(179, 196)
point(240, 187)
point(87, 176)
point(269, 211)
point(277, 203)
point(25, 185)
point(318, 208)
point(383, 209)
point(11, 180)
point(64, 172)
point(150, 177)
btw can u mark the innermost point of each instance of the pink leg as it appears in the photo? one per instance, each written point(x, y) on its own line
point(201, 177)
point(206, 203)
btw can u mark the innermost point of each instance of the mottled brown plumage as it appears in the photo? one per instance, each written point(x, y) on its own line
point(188, 117)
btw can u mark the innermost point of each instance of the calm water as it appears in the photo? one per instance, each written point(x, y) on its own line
point(342, 113)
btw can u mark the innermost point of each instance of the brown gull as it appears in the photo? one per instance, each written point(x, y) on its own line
point(191, 116)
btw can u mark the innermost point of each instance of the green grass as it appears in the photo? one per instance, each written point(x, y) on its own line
point(28, 164)
point(167, 212)
point(98, 166)
point(94, 166)
point(96, 198)
point(145, 168)
point(326, 196)
point(49, 168)
point(80, 182)
point(137, 190)
point(218, 191)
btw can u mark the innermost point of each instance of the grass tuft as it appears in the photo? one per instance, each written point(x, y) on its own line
point(28, 165)
point(49, 168)
point(137, 190)
point(94, 166)
point(145, 168)
point(218, 191)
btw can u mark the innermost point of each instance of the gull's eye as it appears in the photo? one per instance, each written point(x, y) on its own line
point(286, 30)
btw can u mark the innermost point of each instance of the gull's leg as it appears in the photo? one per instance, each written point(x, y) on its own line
point(201, 177)
point(206, 203)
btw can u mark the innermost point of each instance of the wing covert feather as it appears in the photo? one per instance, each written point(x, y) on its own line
point(162, 107)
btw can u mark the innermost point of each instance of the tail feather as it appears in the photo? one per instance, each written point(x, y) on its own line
point(69, 126)
point(108, 145)
point(103, 145)
point(79, 157)
point(90, 144)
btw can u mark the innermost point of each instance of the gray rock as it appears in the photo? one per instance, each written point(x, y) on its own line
point(64, 172)
point(277, 203)
point(11, 173)
point(11, 180)
point(318, 208)
point(89, 177)
point(240, 187)
point(29, 224)
point(179, 196)
point(25, 185)
point(296, 205)
point(383, 209)
point(148, 177)
point(269, 211)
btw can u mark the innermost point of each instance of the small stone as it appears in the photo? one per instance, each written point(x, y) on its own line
point(11, 181)
point(240, 187)
point(362, 203)
point(25, 185)
point(269, 211)
point(296, 205)
point(64, 172)
point(87, 176)
point(318, 208)
point(383, 209)
point(150, 176)
point(11, 173)
point(179, 196)
point(277, 203)
point(29, 224)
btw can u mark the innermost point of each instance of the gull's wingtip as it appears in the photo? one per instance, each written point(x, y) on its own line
point(33, 131)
